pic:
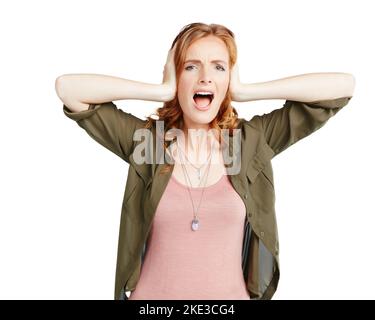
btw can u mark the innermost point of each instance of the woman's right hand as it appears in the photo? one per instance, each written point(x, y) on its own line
point(169, 76)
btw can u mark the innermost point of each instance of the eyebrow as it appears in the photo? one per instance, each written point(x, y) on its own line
point(198, 61)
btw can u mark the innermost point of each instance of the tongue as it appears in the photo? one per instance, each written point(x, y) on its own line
point(202, 101)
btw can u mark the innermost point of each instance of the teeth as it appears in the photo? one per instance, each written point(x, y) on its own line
point(204, 93)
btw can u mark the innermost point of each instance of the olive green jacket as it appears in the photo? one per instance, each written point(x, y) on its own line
point(262, 138)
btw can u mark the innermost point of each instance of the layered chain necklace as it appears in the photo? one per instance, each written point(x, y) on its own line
point(199, 168)
point(195, 221)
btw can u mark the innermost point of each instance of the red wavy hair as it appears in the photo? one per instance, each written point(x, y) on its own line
point(171, 112)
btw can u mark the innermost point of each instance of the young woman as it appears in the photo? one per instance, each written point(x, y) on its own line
point(193, 226)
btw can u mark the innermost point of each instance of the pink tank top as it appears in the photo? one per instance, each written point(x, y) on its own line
point(205, 264)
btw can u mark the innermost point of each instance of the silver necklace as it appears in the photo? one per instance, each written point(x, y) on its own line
point(195, 221)
point(199, 168)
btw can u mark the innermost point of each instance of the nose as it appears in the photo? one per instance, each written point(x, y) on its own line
point(205, 77)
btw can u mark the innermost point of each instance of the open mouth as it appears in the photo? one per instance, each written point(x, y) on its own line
point(203, 101)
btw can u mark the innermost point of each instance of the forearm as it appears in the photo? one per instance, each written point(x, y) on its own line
point(96, 88)
point(305, 88)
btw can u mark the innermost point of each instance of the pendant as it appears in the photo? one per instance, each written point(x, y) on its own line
point(199, 174)
point(195, 224)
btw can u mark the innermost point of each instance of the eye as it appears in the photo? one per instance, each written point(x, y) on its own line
point(188, 67)
point(220, 67)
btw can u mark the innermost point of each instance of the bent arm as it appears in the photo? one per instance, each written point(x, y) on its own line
point(78, 91)
point(304, 88)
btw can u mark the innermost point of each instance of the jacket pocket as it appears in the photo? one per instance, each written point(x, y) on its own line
point(260, 180)
point(259, 163)
point(129, 192)
point(133, 180)
point(142, 169)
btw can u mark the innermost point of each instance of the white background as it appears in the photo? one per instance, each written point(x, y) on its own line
point(61, 192)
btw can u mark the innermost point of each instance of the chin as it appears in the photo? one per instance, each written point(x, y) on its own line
point(203, 119)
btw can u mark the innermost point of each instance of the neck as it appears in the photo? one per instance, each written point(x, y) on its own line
point(197, 144)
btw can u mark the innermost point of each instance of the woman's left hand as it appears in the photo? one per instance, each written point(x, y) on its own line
point(169, 75)
point(235, 84)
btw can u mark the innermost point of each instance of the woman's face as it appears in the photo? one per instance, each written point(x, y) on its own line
point(209, 72)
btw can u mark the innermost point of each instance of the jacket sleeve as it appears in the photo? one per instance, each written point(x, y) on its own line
point(296, 120)
point(109, 126)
